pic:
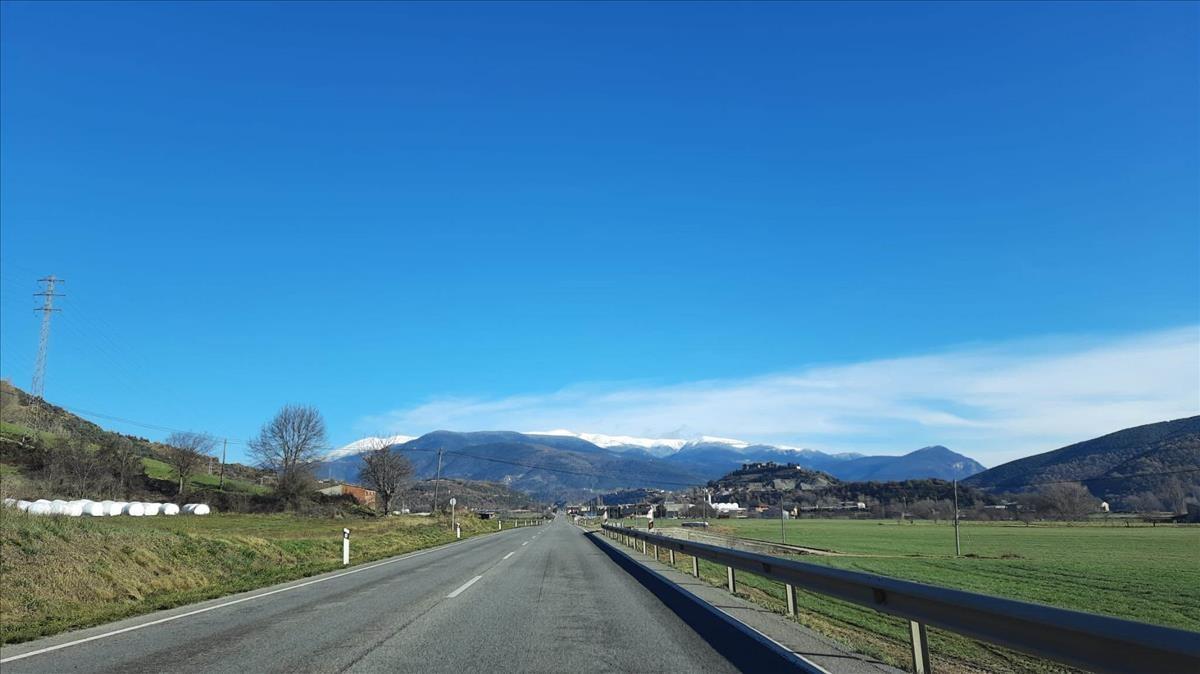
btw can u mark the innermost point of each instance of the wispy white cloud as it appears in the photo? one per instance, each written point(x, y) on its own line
point(994, 402)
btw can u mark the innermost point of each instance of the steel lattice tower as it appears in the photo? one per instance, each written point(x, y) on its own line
point(39, 369)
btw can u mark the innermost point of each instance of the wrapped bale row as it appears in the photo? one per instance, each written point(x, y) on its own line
point(104, 508)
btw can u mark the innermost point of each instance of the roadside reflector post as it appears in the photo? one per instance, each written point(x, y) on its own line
point(656, 552)
point(457, 531)
point(790, 590)
point(672, 552)
point(729, 579)
point(920, 647)
point(695, 566)
point(345, 547)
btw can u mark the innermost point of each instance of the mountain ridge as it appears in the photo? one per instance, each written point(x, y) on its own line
point(1115, 465)
point(573, 464)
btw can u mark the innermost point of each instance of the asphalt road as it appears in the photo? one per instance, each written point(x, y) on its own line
point(536, 599)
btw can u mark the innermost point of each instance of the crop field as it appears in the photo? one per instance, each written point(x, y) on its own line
point(65, 573)
point(1140, 572)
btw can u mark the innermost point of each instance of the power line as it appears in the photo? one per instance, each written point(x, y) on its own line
point(566, 471)
point(140, 424)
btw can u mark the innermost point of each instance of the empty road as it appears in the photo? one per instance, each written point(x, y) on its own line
point(536, 599)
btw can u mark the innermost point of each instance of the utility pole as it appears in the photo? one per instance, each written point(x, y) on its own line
point(38, 388)
point(224, 445)
point(437, 481)
point(781, 526)
point(957, 545)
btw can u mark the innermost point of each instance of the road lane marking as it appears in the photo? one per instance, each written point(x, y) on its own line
point(509, 555)
point(525, 543)
point(228, 603)
point(462, 587)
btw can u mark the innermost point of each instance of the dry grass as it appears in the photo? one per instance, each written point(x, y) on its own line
point(60, 573)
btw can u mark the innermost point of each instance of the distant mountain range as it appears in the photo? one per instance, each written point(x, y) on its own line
point(1142, 459)
point(558, 463)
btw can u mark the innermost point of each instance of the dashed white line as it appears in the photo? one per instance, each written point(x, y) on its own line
point(462, 587)
point(509, 555)
point(525, 543)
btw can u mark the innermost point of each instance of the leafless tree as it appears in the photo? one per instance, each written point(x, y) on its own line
point(386, 472)
point(185, 453)
point(121, 458)
point(1068, 500)
point(289, 444)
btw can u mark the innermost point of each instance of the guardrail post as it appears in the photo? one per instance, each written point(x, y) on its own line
point(790, 590)
point(695, 566)
point(920, 647)
point(729, 579)
point(656, 552)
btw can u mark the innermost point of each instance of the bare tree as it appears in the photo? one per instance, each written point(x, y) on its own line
point(121, 458)
point(386, 472)
point(289, 444)
point(1068, 500)
point(186, 453)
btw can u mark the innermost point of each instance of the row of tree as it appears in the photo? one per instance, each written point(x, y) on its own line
point(290, 445)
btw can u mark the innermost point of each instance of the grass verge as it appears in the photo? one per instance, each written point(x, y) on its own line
point(59, 573)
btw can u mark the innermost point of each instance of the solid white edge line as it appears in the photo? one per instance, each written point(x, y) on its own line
point(462, 587)
point(508, 555)
point(168, 619)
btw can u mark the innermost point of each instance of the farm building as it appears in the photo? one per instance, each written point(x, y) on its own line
point(361, 495)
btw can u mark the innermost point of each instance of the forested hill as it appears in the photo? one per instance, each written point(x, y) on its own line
point(1112, 465)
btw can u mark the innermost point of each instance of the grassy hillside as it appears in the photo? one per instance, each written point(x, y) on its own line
point(66, 573)
point(47, 451)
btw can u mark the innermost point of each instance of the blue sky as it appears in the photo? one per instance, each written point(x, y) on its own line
point(384, 209)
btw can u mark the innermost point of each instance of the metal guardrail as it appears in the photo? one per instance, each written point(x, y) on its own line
point(1095, 642)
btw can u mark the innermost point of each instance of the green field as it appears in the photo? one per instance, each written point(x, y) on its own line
point(1145, 573)
point(64, 573)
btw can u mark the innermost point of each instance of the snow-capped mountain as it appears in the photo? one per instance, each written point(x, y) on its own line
point(561, 462)
point(366, 444)
point(655, 446)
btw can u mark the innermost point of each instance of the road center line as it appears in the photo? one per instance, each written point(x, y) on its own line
point(508, 555)
point(462, 587)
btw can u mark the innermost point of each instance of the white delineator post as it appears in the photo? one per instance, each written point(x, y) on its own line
point(457, 531)
point(345, 547)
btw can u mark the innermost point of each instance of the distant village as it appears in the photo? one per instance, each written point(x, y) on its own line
point(790, 491)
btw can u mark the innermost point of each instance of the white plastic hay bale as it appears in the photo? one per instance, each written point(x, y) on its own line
point(114, 508)
point(133, 509)
point(39, 508)
point(60, 507)
point(74, 509)
point(152, 509)
point(93, 509)
point(10, 502)
point(24, 505)
point(105, 505)
point(200, 509)
point(188, 508)
point(170, 509)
